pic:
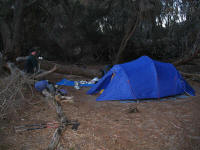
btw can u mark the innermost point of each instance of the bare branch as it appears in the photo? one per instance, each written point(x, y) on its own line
point(46, 73)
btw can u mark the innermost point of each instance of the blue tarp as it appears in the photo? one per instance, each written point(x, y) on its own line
point(71, 83)
point(143, 78)
point(44, 84)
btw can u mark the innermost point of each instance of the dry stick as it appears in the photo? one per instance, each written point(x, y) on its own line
point(58, 133)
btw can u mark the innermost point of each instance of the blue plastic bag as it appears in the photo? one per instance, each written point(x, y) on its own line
point(41, 85)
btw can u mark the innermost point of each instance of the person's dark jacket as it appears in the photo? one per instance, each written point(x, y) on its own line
point(31, 64)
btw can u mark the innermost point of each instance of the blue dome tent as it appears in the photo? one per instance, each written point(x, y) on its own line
point(143, 78)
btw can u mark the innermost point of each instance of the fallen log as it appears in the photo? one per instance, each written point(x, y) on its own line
point(12, 69)
point(71, 69)
point(43, 74)
point(58, 133)
point(56, 138)
point(20, 59)
point(64, 69)
point(190, 75)
point(185, 60)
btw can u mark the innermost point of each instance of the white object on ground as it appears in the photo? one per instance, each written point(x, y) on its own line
point(46, 93)
point(94, 80)
point(83, 82)
point(76, 85)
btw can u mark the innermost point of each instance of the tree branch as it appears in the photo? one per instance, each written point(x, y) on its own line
point(127, 36)
point(193, 54)
point(45, 73)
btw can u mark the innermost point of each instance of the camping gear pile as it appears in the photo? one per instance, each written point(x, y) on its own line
point(48, 89)
point(140, 79)
point(78, 84)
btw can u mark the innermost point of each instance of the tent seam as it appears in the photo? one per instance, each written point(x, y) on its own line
point(156, 76)
point(128, 81)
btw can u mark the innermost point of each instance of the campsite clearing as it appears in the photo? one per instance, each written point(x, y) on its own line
point(173, 124)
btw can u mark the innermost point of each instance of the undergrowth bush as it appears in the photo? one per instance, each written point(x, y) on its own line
point(13, 89)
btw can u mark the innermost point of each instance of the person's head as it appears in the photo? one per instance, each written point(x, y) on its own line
point(33, 52)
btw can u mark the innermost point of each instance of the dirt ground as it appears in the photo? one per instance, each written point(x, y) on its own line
point(166, 125)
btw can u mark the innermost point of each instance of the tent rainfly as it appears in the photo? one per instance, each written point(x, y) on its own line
point(143, 78)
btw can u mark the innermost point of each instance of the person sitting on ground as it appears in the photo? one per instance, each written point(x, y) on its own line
point(31, 65)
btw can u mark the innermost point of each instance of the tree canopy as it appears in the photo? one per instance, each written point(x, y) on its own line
point(110, 31)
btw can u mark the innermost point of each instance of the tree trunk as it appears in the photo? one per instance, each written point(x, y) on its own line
point(125, 39)
point(1, 62)
point(12, 38)
point(6, 36)
point(18, 16)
